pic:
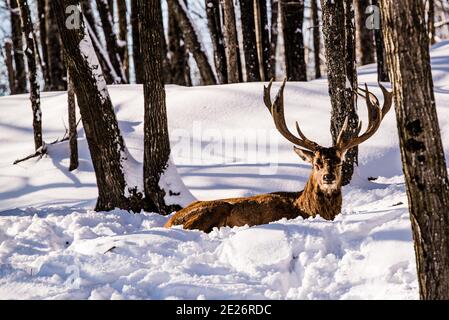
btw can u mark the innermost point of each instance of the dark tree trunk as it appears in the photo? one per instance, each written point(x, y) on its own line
point(365, 36)
point(9, 66)
point(111, 39)
point(382, 72)
point(292, 13)
point(89, 15)
point(422, 152)
point(274, 37)
point(339, 44)
point(192, 42)
point(316, 38)
point(123, 36)
point(138, 67)
point(179, 57)
point(41, 12)
point(27, 29)
point(73, 135)
point(55, 59)
point(214, 25)
point(431, 21)
point(107, 148)
point(19, 61)
point(156, 141)
point(264, 38)
point(249, 40)
point(231, 42)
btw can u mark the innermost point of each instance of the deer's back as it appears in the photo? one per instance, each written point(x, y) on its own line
point(260, 209)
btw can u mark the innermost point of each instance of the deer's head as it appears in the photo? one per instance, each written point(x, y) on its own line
point(327, 161)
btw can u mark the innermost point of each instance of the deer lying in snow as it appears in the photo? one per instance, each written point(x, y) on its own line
point(322, 193)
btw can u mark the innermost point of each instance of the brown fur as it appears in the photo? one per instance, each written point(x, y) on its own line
point(315, 199)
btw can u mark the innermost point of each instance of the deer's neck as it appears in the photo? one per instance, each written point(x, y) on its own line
point(313, 201)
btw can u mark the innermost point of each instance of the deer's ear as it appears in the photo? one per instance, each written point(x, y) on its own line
point(305, 155)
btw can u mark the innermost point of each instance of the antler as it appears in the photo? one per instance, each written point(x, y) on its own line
point(375, 117)
point(277, 111)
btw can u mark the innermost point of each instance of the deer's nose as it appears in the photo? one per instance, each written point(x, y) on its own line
point(329, 177)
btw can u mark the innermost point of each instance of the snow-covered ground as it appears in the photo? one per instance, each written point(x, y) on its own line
point(52, 245)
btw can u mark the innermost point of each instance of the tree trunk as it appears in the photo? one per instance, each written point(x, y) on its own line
point(231, 41)
point(249, 40)
point(55, 59)
point(179, 72)
point(19, 61)
point(27, 29)
point(316, 38)
point(192, 41)
point(89, 15)
point(365, 43)
point(431, 21)
point(424, 165)
point(73, 135)
point(123, 36)
point(339, 44)
point(9, 65)
point(214, 25)
point(107, 148)
point(138, 67)
point(382, 72)
point(292, 13)
point(111, 39)
point(274, 37)
point(41, 12)
point(156, 141)
point(264, 38)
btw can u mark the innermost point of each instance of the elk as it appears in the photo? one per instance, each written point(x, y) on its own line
point(322, 193)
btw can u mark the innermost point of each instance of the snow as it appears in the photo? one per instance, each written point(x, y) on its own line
point(53, 246)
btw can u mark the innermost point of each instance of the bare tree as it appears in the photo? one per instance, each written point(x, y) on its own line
point(339, 44)
point(249, 40)
point(30, 52)
point(123, 36)
point(316, 38)
point(216, 33)
point(41, 13)
point(292, 13)
point(137, 58)
point(192, 41)
point(263, 43)
point(365, 36)
point(382, 73)
point(422, 153)
point(73, 135)
point(231, 42)
point(104, 12)
point(9, 65)
point(107, 148)
point(273, 37)
point(19, 61)
point(431, 21)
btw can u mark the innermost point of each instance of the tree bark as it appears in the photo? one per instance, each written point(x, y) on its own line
point(156, 140)
point(249, 40)
point(107, 148)
point(73, 135)
point(264, 38)
point(111, 39)
point(316, 38)
point(179, 70)
point(9, 66)
point(214, 25)
point(292, 13)
point(89, 15)
point(19, 61)
point(123, 36)
point(41, 12)
point(55, 59)
point(274, 37)
point(27, 29)
point(365, 43)
point(424, 165)
point(431, 21)
point(382, 72)
point(138, 67)
point(339, 44)
point(192, 41)
point(231, 41)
